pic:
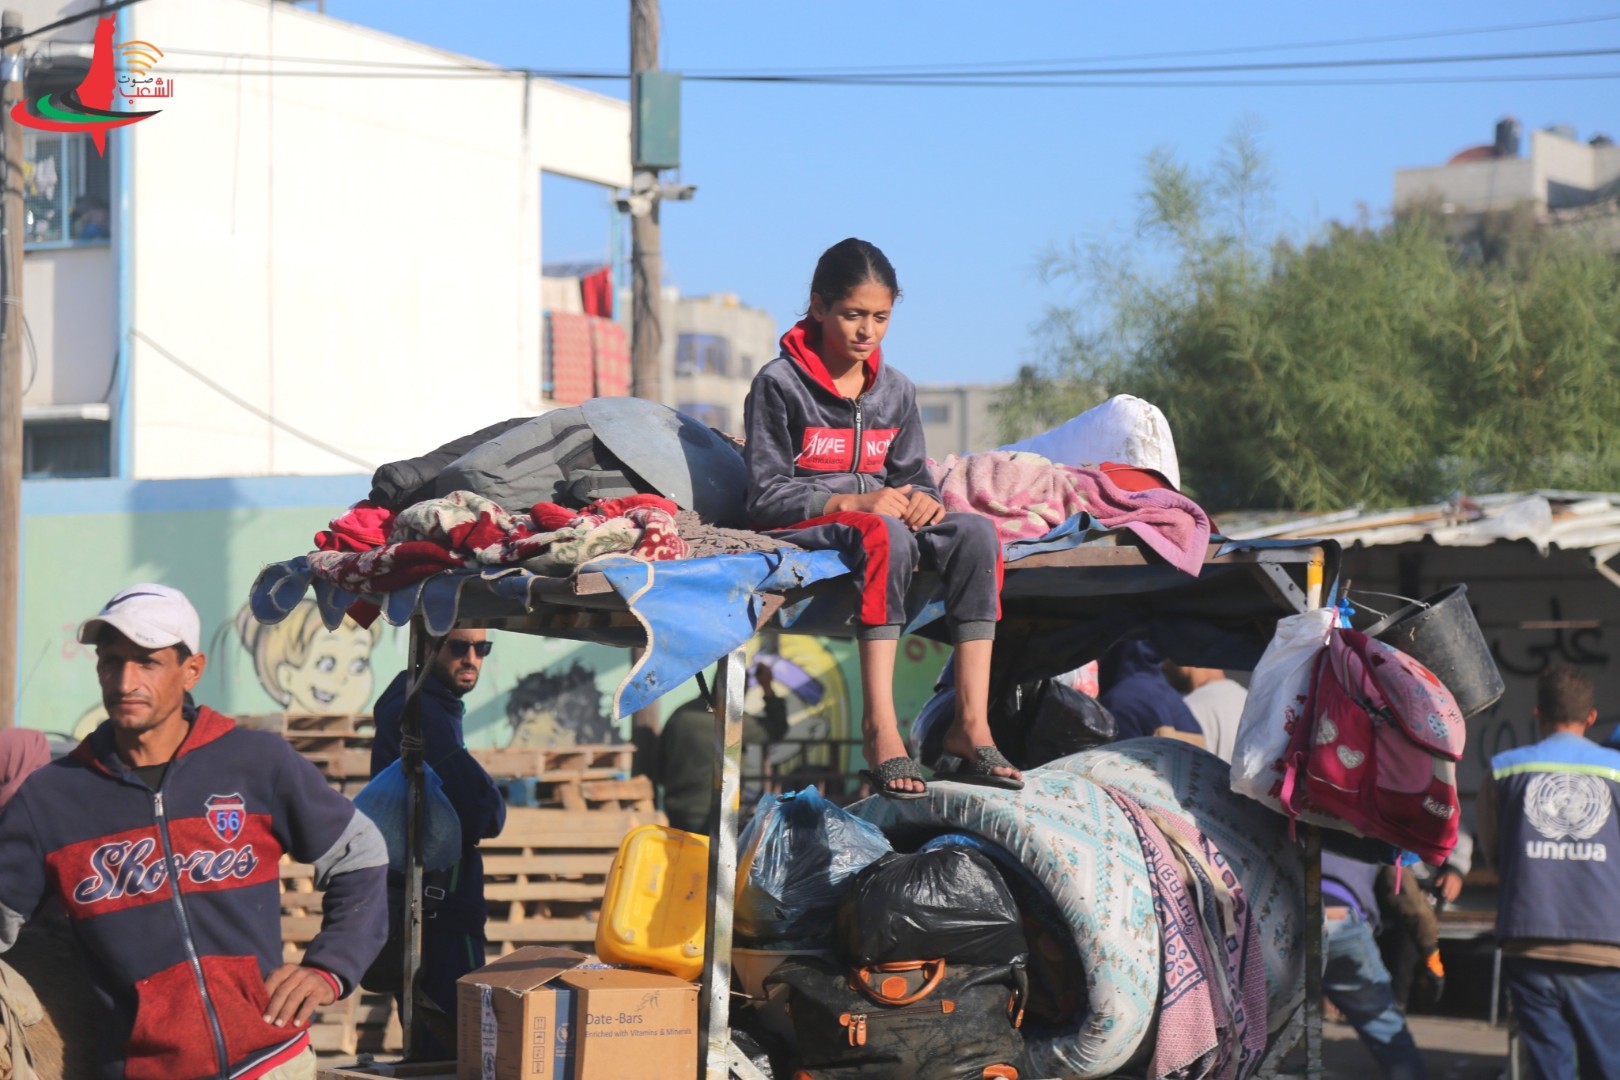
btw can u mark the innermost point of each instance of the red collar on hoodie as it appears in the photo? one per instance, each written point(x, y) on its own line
point(799, 345)
point(97, 748)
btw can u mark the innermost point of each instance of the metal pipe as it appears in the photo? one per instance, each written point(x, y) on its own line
point(410, 762)
point(714, 999)
point(1314, 959)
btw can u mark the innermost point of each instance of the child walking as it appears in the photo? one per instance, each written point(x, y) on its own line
point(836, 461)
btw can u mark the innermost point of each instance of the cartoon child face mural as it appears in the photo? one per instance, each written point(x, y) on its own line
point(559, 708)
point(308, 668)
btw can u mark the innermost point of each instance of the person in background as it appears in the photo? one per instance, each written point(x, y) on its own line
point(1216, 703)
point(1546, 818)
point(22, 750)
point(161, 795)
point(453, 900)
point(1355, 978)
point(684, 763)
point(1143, 703)
point(1410, 939)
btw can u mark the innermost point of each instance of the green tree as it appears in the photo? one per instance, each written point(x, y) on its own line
point(1374, 366)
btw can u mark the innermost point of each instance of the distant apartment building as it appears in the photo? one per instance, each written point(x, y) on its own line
point(958, 419)
point(720, 343)
point(1562, 179)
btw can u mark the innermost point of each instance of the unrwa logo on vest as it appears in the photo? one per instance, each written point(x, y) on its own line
point(1567, 806)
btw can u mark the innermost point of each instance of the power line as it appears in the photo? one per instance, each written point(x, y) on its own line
point(1197, 69)
point(994, 82)
point(901, 70)
point(267, 417)
point(946, 77)
point(1222, 51)
point(93, 13)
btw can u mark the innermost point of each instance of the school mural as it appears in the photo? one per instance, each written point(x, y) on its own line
point(83, 540)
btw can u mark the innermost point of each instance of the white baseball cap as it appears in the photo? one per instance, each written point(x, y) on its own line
point(152, 616)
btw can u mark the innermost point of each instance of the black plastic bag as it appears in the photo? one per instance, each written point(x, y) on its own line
point(948, 904)
point(799, 853)
point(1062, 721)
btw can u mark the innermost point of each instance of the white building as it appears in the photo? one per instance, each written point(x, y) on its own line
point(1559, 173)
point(310, 265)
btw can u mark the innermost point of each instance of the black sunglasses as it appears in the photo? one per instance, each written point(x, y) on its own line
point(458, 648)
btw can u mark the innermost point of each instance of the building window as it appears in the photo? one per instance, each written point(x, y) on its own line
point(58, 449)
point(66, 188)
point(702, 354)
point(714, 416)
point(934, 414)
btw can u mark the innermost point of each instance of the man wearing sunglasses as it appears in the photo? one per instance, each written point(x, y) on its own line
point(453, 900)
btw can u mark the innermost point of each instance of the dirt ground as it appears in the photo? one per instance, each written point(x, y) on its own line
point(1454, 1049)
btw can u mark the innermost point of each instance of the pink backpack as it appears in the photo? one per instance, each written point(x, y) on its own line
point(1378, 747)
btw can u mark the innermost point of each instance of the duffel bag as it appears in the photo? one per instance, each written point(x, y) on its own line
point(913, 1020)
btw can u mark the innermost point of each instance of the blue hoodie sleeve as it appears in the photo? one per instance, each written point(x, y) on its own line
point(22, 870)
point(908, 453)
point(319, 826)
point(776, 497)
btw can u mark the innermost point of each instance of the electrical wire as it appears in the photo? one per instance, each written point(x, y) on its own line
point(1222, 51)
point(903, 70)
point(268, 418)
point(33, 355)
point(93, 13)
point(1028, 78)
point(1079, 82)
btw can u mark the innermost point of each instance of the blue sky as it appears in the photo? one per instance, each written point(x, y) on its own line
point(964, 188)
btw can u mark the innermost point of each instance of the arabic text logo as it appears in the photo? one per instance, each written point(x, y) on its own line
point(88, 106)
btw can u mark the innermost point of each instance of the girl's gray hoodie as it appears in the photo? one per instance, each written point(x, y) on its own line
point(807, 442)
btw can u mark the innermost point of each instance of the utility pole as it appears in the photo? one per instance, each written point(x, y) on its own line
point(11, 354)
point(646, 257)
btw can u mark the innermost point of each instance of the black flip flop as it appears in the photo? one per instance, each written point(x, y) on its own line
point(887, 772)
point(980, 770)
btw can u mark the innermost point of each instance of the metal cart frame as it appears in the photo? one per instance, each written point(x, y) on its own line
point(1040, 586)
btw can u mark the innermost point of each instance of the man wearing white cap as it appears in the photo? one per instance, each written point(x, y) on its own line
point(161, 836)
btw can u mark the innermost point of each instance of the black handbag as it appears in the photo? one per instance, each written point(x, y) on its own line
point(912, 1020)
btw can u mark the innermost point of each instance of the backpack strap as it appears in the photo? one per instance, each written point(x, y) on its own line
point(1299, 747)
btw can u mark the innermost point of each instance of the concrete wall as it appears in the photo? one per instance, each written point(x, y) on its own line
point(83, 540)
point(69, 304)
point(1557, 173)
point(1472, 186)
point(957, 419)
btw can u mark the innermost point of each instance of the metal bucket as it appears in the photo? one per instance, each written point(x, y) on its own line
point(1441, 632)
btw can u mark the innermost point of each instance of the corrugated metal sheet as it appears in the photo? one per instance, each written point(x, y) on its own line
point(1569, 520)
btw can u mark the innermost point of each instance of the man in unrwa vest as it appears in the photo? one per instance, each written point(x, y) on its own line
point(1546, 815)
point(161, 836)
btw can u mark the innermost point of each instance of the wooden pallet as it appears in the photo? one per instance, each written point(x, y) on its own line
point(545, 874)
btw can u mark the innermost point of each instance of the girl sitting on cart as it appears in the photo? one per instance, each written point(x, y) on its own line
point(836, 461)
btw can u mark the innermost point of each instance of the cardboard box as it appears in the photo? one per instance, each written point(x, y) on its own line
point(514, 1021)
point(634, 1025)
point(532, 1016)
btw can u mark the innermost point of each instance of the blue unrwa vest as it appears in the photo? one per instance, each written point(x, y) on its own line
point(1559, 844)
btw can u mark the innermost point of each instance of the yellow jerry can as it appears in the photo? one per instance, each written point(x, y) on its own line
point(656, 901)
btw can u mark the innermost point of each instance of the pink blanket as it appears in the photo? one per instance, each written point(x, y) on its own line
point(1212, 1009)
point(1029, 496)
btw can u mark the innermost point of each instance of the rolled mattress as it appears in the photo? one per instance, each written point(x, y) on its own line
point(1072, 836)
